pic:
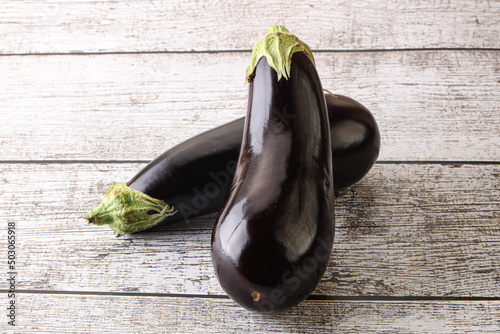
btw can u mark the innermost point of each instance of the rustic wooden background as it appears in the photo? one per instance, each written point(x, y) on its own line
point(90, 91)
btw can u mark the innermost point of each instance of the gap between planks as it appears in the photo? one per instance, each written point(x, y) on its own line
point(241, 51)
point(217, 296)
point(131, 161)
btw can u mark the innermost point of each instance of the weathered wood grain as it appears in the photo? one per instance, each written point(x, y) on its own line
point(67, 26)
point(430, 105)
point(46, 313)
point(404, 230)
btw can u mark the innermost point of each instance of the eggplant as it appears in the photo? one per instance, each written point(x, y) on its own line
point(273, 236)
point(355, 139)
point(194, 176)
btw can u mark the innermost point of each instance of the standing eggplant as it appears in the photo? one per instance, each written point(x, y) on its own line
point(273, 236)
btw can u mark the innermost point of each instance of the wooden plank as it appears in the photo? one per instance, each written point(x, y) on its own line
point(430, 105)
point(46, 313)
point(67, 26)
point(404, 230)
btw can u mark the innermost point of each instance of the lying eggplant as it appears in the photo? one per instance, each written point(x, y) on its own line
point(355, 139)
point(194, 176)
point(273, 236)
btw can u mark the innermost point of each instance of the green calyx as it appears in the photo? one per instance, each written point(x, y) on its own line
point(278, 46)
point(127, 210)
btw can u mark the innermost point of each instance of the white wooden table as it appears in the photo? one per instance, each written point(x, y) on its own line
point(90, 91)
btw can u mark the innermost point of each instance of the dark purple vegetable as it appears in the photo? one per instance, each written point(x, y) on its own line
point(272, 239)
point(193, 176)
point(355, 139)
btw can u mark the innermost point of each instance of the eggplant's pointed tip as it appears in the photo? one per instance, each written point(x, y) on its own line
point(89, 217)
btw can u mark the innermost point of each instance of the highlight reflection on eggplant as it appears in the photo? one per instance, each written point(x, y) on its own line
point(274, 234)
point(355, 139)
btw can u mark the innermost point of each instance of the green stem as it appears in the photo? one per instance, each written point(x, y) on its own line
point(278, 46)
point(329, 92)
point(127, 210)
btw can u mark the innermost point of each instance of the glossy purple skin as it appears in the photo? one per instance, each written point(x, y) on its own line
point(273, 236)
point(195, 175)
point(355, 139)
